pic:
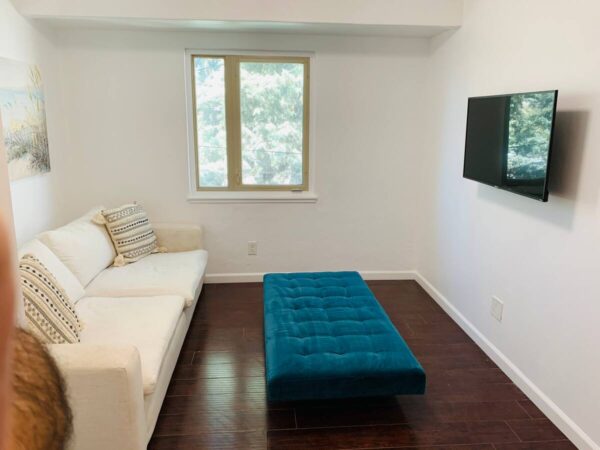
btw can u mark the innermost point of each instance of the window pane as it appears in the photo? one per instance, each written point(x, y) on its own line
point(271, 102)
point(210, 121)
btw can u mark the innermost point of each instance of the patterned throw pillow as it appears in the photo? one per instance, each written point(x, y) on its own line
point(49, 312)
point(130, 231)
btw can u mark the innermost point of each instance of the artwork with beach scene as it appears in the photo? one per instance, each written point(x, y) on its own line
point(23, 117)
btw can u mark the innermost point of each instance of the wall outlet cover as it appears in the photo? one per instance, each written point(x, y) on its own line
point(252, 248)
point(497, 308)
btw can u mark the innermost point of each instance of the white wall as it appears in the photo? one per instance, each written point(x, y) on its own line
point(126, 108)
point(541, 259)
point(36, 200)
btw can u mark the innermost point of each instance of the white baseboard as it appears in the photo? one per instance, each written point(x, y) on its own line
point(254, 277)
point(535, 394)
point(211, 278)
point(388, 274)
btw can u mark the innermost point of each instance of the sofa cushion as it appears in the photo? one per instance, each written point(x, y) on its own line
point(145, 322)
point(82, 245)
point(157, 274)
point(64, 277)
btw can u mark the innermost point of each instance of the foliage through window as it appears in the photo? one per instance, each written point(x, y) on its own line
point(528, 135)
point(251, 122)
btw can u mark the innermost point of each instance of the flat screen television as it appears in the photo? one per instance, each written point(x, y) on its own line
point(509, 140)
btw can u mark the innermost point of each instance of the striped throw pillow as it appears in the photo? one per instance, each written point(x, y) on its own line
point(49, 312)
point(130, 231)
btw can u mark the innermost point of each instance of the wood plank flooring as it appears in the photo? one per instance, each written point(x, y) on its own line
point(216, 399)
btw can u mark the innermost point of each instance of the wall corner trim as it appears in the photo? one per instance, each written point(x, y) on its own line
point(535, 394)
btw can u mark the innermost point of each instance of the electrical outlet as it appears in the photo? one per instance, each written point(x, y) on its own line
point(497, 308)
point(252, 248)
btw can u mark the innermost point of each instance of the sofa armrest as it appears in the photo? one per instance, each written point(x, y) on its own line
point(106, 394)
point(179, 237)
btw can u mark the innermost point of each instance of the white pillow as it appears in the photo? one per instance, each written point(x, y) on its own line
point(63, 275)
point(83, 246)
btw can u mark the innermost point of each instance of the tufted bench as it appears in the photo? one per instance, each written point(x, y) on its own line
point(326, 336)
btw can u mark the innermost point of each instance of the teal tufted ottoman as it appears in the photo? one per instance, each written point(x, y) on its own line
point(326, 337)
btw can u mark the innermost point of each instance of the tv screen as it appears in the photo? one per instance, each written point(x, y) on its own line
point(508, 143)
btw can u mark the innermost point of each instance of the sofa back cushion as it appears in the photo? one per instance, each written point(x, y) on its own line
point(65, 278)
point(82, 245)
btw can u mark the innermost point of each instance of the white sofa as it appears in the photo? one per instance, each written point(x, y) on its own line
point(135, 319)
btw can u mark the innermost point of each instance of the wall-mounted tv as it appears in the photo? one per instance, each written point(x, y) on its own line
point(509, 140)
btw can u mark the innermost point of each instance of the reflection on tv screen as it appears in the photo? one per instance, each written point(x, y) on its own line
point(528, 135)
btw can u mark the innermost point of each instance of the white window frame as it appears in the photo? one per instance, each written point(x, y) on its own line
point(198, 196)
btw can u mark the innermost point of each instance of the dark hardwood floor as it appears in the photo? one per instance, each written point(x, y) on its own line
point(217, 395)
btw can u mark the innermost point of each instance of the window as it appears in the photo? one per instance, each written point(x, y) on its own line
point(250, 122)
